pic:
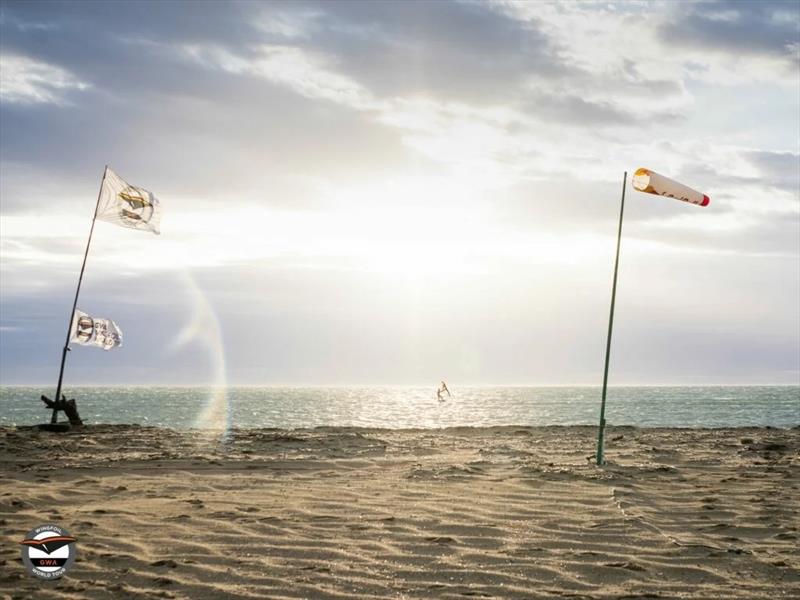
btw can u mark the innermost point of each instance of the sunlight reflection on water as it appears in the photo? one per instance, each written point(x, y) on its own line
point(399, 407)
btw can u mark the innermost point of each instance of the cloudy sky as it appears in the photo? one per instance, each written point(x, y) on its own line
point(399, 192)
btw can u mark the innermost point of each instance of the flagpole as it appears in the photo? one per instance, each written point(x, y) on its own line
point(54, 418)
point(599, 454)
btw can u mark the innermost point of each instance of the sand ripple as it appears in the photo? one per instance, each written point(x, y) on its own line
point(505, 512)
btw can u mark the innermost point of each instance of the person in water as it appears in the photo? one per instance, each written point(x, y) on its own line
point(442, 388)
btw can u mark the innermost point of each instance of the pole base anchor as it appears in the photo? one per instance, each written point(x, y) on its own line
point(69, 408)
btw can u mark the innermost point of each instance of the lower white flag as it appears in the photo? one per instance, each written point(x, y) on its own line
point(89, 331)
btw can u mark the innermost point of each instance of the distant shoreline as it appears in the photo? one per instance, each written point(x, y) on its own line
point(124, 427)
point(315, 386)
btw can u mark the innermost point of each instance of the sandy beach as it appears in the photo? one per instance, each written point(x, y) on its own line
point(503, 512)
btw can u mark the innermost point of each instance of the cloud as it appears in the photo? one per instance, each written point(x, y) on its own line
point(589, 104)
point(778, 169)
point(724, 42)
point(438, 50)
point(27, 81)
point(445, 174)
point(756, 28)
point(301, 71)
point(489, 144)
point(289, 22)
point(576, 111)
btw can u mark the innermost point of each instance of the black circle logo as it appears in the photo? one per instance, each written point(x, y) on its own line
point(48, 551)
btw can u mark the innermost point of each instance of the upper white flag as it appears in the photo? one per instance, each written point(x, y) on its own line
point(88, 331)
point(128, 205)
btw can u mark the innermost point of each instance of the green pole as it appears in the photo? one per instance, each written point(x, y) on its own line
point(599, 455)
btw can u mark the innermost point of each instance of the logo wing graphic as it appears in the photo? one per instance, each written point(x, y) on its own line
point(50, 544)
point(135, 204)
point(128, 205)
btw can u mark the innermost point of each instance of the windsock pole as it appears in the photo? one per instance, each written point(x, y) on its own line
point(599, 454)
point(54, 417)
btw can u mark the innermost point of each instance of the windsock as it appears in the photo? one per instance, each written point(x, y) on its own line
point(645, 180)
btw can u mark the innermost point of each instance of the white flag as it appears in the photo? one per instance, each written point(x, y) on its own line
point(127, 205)
point(89, 331)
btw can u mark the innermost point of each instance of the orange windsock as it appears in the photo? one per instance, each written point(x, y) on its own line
point(645, 180)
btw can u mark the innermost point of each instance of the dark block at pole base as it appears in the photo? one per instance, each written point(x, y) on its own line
point(68, 406)
point(57, 427)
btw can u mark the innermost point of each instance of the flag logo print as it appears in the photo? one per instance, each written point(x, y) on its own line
point(84, 329)
point(94, 331)
point(139, 207)
point(128, 205)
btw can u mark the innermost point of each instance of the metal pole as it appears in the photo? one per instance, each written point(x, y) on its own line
point(599, 454)
point(54, 418)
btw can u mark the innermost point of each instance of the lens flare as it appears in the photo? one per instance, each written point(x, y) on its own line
point(203, 329)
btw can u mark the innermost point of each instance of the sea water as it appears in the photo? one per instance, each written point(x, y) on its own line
point(406, 407)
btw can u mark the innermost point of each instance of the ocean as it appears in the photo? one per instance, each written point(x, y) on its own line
point(413, 407)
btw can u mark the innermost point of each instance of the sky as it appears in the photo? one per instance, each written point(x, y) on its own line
point(401, 192)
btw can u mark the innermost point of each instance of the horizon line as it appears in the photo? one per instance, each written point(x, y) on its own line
point(398, 385)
